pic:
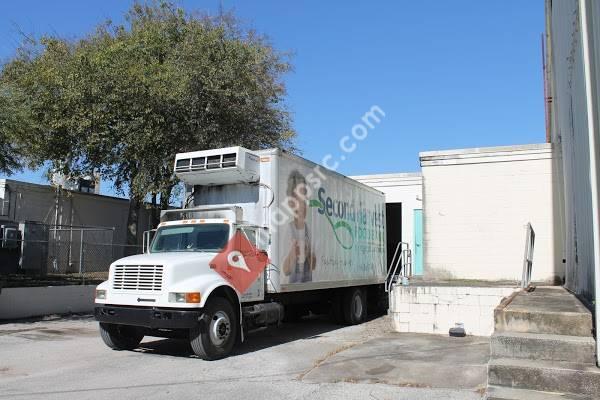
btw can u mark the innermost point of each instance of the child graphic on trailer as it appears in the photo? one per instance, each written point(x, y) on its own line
point(301, 261)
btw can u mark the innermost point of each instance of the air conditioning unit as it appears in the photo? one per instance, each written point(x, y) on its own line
point(217, 167)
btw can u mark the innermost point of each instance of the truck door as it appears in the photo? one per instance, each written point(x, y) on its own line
point(256, 291)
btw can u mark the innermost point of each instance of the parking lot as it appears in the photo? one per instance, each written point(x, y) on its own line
point(64, 358)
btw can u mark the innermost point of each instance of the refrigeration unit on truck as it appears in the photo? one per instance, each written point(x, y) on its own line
point(263, 235)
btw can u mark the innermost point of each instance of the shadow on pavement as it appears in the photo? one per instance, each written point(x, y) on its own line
point(308, 328)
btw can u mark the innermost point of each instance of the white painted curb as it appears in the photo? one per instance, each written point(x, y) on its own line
point(28, 302)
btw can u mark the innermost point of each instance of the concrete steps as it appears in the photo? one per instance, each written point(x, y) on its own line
point(503, 393)
point(572, 324)
point(550, 310)
point(549, 376)
point(542, 348)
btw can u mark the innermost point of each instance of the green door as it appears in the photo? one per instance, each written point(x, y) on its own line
point(418, 250)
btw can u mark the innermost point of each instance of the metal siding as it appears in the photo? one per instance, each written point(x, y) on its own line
point(33, 202)
point(570, 130)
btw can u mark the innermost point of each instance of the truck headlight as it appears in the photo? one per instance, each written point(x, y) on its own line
point(192, 297)
point(101, 294)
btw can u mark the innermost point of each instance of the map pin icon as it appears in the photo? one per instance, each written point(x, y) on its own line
point(236, 260)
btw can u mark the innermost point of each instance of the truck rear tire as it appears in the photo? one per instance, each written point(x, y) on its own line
point(121, 337)
point(215, 340)
point(355, 306)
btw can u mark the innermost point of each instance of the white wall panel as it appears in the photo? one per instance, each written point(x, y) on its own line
point(477, 203)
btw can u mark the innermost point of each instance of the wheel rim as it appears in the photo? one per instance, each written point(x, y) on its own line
point(357, 306)
point(220, 328)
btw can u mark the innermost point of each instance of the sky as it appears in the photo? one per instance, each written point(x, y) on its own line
point(447, 74)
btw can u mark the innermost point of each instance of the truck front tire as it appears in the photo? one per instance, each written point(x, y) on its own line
point(355, 306)
point(216, 337)
point(121, 337)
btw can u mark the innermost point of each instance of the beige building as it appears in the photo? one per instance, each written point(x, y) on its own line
point(477, 205)
point(403, 196)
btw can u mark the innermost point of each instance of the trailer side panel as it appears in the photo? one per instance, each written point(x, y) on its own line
point(330, 229)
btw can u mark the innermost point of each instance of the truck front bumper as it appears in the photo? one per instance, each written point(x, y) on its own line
point(149, 317)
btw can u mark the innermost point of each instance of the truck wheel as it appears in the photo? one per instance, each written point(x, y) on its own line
point(121, 337)
point(216, 338)
point(355, 306)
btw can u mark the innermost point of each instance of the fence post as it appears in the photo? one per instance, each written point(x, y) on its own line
point(81, 253)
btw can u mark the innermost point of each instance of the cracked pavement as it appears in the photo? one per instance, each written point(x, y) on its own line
point(64, 358)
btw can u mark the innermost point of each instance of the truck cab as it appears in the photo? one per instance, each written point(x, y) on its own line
point(171, 289)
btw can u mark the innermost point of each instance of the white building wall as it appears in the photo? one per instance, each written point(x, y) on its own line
point(477, 203)
point(405, 188)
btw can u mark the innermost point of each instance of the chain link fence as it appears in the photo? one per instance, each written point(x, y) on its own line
point(62, 255)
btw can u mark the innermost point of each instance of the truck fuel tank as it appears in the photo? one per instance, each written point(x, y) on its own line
point(261, 315)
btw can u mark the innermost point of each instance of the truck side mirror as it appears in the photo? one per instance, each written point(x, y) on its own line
point(147, 240)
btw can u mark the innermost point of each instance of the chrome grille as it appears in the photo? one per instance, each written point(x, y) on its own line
point(138, 277)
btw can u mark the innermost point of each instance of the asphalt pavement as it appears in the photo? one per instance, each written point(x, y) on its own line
point(64, 358)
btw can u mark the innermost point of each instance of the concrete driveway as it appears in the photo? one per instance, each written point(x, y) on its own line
point(64, 358)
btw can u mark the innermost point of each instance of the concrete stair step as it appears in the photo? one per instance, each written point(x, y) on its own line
point(530, 321)
point(551, 310)
point(540, 346)
point(541, 375)
point(504, 393)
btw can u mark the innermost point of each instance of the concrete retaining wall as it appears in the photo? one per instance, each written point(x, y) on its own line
point(436, 309)
point(38, 301)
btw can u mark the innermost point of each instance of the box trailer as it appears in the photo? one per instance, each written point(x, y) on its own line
point(315, 241)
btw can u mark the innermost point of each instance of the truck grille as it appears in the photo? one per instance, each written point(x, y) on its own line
point(138, 277)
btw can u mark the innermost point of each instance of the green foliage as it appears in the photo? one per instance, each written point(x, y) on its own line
point(13, 121)
point(124, 99)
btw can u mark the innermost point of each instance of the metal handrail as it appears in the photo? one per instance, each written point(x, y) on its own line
point(528, 257)
point(401, 264)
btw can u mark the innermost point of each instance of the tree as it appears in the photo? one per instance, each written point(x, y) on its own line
point(124, 99)
point(9, 123)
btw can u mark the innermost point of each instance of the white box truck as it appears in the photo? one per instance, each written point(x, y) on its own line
point(323, 234)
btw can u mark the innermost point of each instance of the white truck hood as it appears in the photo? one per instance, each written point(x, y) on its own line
point(180, 272)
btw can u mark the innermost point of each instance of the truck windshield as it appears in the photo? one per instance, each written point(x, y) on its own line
point(202, 237)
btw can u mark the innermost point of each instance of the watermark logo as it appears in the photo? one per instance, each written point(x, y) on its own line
point(240, 262)
point(358, 133)
point(308, 186)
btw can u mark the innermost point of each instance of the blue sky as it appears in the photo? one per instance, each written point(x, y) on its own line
point(447, 74)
